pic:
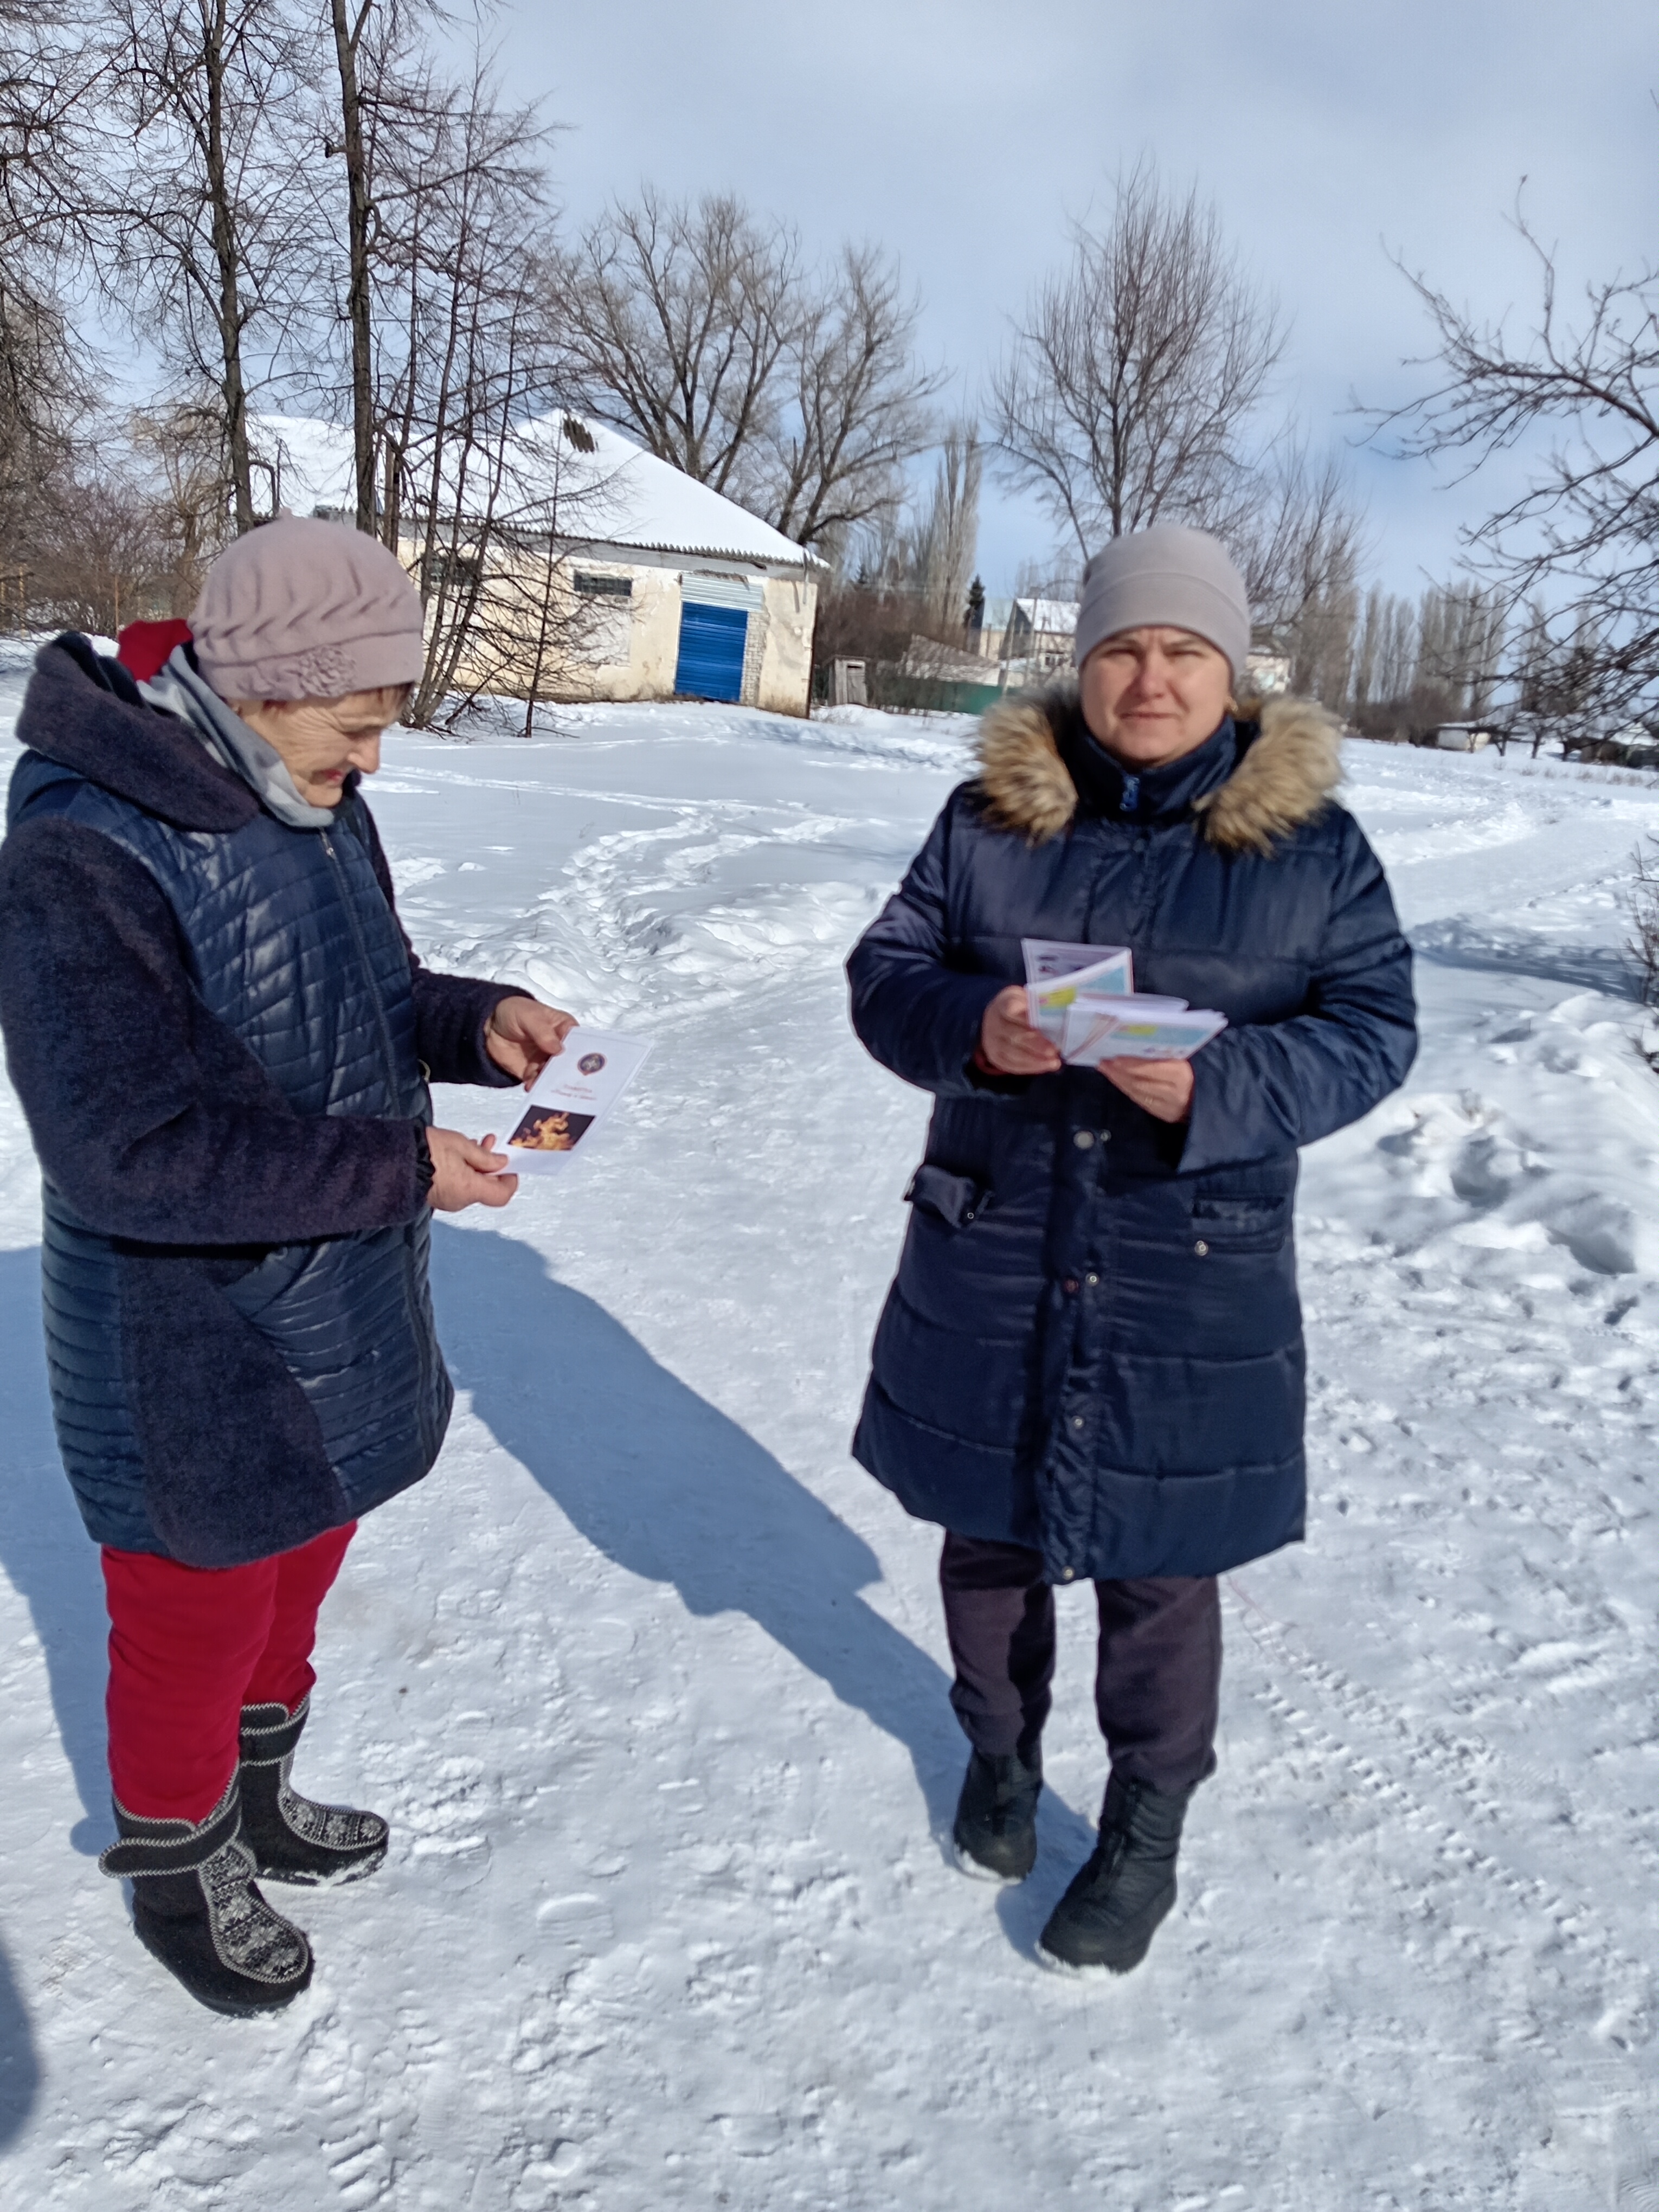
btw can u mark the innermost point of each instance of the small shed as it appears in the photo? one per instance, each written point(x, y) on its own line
point(651, 585)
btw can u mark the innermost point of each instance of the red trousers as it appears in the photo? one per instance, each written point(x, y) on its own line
point(188, 1648)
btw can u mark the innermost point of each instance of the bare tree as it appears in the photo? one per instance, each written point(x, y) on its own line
point(1384, 661)
point(181, 452)
point(943, 546)
point(385, 92)
point(698, 330)
point(201, 217)
point(106, 560)
point(349, 25)
point(855, 409)
point(1131, 393)
point(543, 616)
point(1461, 634)
point(1299, 542)
point(45, 374)
point(463, 347)
point(1584, 536)
point(676, 319)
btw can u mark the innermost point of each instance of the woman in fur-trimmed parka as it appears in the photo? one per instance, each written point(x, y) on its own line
point(1091, 1363)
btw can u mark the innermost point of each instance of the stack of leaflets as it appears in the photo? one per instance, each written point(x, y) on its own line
point(1083, 996)
point(574, 1092)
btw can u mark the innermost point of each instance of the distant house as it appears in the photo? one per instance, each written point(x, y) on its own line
point(649, 584)
point(1030, 639)
point(1464, 737)
point(1266, 672)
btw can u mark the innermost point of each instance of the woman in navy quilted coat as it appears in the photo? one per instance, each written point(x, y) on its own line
point(222, 1039)
point(1090, 1365)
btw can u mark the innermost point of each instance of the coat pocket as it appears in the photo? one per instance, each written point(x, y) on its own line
point(952, 1199)
point(1253, 1223)
point(255, 1292)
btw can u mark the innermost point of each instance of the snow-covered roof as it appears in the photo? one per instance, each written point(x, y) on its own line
point(616, 494)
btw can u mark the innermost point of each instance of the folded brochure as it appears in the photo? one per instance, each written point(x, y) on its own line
point(1137, 1028)
point(1083, 996)
point(573, 1093)
point(1046, 960)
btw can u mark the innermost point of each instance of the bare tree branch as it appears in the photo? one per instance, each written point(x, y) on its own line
point(856, 411)
point(699, 330)
point(1584, 535)
point(677, 318)
point(199, 217)
point(46, 379)
point(1132, 384)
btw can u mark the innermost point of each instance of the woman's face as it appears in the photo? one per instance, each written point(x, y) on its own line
point(1151, 695)
point(322, 740)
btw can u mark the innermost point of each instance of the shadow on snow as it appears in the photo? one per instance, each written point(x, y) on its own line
point(20, 2071)
point(1605, 968)
point(669, 1488)
point(655, 1478)
point(45, 1552)
point(46, 1556)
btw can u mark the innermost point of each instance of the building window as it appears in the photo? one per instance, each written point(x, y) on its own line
point(590, 586)
point(454, 574)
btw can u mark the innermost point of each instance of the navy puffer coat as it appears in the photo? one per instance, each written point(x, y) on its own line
point(221, 1039)
point(1093, 1346)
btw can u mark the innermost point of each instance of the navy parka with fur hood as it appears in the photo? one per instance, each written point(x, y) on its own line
point(221, 1039)
point(1093, 1345)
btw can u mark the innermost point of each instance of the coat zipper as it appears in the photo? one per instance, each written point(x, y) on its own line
point(412, 1303)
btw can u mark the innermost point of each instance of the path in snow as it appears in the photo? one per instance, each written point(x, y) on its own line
point(650, 1679)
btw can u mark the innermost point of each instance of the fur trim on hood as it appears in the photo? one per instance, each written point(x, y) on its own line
point(1285, 777)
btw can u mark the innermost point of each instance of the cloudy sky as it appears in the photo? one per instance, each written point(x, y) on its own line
point(967, 137)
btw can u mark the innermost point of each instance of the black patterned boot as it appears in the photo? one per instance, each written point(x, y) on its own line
point(195, 1907)
point(293, 1838)
point(995, 1831)
point(1109, 1914)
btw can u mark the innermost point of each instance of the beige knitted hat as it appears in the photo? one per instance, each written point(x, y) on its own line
point(299, 610)
point(1183, 578)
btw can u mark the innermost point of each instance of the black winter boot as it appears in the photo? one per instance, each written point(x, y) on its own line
point(995, 1833)
point(291, 1838)
point(195, 1906)
point(1108, 1915)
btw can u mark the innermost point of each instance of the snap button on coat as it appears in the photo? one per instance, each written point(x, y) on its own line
point(1202, 1250)
point(1083, 1139)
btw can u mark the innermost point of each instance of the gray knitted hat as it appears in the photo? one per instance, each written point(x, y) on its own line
point(1183, 578)
point(299, 610)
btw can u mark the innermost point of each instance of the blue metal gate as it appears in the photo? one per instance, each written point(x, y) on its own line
point(711, 641)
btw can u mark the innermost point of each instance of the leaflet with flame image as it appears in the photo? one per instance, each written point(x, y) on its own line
point(573, 1093)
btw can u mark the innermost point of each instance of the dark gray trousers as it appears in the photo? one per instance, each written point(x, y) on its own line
point(1158, 1681)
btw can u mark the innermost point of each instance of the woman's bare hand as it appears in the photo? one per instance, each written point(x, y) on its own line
point(1008, 1043)
point(522, 1036)
point(1162, 1088)
point(466, 1173)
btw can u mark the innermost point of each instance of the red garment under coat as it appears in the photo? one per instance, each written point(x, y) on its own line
point(188, 1648)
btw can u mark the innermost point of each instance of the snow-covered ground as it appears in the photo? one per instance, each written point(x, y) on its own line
point(650, 1679)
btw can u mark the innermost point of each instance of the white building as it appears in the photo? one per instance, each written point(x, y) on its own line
point(661, 588)
point(1030, 638)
